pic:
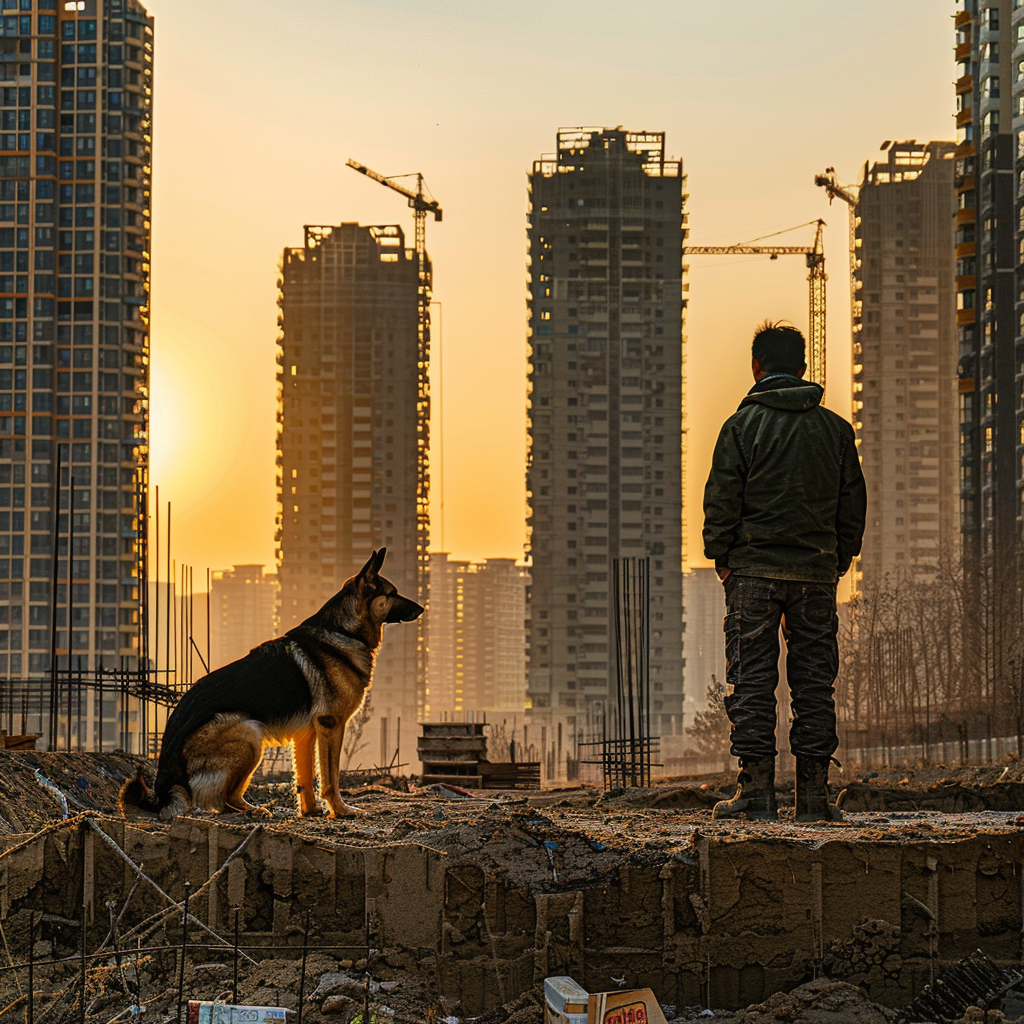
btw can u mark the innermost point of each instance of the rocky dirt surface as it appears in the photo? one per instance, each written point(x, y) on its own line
point(547, 839)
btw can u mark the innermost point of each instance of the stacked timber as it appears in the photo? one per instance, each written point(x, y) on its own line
point(455, 753)
point(451, 752)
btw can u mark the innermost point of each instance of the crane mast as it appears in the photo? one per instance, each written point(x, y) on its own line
point(816, 277)
point(421, 202)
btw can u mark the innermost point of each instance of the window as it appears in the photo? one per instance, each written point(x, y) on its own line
point(989, 87)
point(990, 123)
point(990, 53)
point(991, 19)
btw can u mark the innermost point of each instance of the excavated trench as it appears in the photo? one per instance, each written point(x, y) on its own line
point(471, 903)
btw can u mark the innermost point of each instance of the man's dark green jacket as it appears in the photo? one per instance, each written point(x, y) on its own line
point(786, 497)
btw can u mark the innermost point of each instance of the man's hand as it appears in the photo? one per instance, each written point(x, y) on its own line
point(723, 572)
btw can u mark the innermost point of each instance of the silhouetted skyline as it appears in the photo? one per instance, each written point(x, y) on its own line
point(756, 99)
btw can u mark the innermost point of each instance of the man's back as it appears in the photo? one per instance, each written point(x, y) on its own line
point(785, 498)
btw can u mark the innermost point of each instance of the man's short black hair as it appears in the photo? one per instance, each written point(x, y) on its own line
point(779, 348)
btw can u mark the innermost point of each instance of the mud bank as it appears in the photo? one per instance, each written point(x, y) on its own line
point(489, 899)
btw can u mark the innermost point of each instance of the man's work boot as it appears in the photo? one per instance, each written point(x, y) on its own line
point(813, 802)
point(755, 792)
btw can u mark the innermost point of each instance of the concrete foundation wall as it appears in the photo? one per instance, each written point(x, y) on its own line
point(731, 923)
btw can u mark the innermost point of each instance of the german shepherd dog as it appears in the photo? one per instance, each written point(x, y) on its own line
point(301, 688)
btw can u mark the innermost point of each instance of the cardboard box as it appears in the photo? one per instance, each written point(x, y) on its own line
point(566, 1002)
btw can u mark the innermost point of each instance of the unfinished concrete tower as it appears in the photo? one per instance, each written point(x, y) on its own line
point(348, 452)
point(75, 162)
point(604, 477)
point(905, 408)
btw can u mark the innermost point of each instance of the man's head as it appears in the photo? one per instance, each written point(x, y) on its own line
point(778, 348)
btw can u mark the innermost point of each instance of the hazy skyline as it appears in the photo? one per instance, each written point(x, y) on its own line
point(256, 113)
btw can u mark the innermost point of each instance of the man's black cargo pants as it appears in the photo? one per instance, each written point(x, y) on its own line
point(755, 607)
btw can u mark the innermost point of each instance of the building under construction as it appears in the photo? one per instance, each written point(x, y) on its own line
point(905, 408)
point(604, 474)
point(352, 438)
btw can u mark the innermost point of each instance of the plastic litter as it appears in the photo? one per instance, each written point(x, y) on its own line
point(47, 784)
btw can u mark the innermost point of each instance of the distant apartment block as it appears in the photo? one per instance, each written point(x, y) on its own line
point(704, 602)
point(243, 611)
point(606, 307)
point(989, 182)
point(476, 641)
point(348, 459)
point(76, 85)
point(905, 408)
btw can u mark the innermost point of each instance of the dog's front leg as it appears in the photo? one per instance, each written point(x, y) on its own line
point(330, 733)
point(303, 753)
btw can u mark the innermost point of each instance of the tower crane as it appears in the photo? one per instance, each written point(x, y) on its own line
point(850, 194)
point(422, 203)
point(815, 257)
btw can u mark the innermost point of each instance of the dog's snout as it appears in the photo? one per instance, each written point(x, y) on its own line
point(404, 610)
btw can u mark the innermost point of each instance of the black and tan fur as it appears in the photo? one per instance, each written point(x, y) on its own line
point(301, 688)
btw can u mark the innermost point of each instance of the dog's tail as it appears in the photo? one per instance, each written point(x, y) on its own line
point(165, 801)
point(136, 793)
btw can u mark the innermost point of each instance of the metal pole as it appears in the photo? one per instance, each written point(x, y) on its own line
point(209, 661)
point(366, 972)
point(30, 1015)
point(81, 1015)
point(174, 600)
point(302, 971)
point(156, 660)
point(70, 586)
point(184, 948)
point(170, 601)
point(52, 744)
point(234, 972)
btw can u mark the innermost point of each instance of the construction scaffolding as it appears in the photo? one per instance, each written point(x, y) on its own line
point(79, 706)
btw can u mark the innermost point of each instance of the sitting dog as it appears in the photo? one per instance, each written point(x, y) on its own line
point(301, 688)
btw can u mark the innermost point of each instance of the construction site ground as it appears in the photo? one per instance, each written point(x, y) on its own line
point(472, 899)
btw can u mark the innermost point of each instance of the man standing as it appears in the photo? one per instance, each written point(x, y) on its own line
point(784, 514)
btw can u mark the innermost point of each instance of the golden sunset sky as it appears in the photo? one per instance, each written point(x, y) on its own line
point(259, 104)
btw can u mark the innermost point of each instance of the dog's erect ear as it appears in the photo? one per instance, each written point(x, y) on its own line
point(380, 558)
point(369, 570)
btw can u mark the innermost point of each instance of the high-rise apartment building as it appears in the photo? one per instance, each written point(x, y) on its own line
point(475, 637)
point(348, 457)
point(704, 602)
point(905, 408)
point(604, 476)
point(76, 86)
point(243, 612)
point(989, 289)
point(445, 634)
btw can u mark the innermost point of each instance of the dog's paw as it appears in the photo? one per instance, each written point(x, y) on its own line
point(344, 810)
point(313, 812)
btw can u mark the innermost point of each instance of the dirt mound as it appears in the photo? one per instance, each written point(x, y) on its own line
point(949, 796)
point(818, 1002)
point(88, 782)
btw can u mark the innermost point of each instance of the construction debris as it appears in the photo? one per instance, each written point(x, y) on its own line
point(973, 982)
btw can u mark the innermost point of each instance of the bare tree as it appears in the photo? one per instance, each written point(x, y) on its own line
point(710, 729)
point(354, 741)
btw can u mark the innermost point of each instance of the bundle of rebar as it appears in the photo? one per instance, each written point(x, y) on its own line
point(973, 981)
